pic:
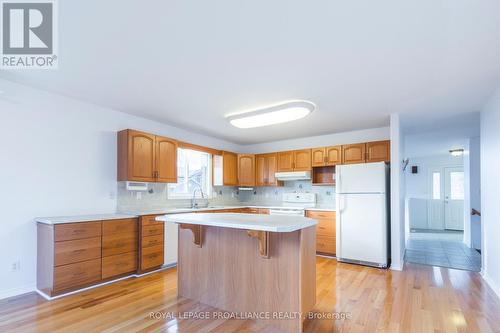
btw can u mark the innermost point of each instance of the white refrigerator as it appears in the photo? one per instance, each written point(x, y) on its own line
point(362, 214)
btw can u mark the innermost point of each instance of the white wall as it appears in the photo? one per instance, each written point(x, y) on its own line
point(490, 191)
point(374, 134)
point(58, 157)
point(397, 194)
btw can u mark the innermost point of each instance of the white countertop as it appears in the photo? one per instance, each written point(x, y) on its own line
point(273, 223)
point(168, 210)
point(82, 218)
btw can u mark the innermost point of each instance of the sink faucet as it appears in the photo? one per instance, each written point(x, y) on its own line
point(194, 204)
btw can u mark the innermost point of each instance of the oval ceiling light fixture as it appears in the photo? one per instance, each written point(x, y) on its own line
point(276, 114)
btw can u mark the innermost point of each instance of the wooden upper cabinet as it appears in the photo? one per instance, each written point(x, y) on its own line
point(146, 157)
point(246, 170)
point(166, 160)
point(261, 170)
point(333, 155)
point(294, 160)
point(302, 160)
point(318, 157)
point(285, 161)
point(136, 156)
point(272, 167)
point(265, 168)
point(229, 169)
point(378, 151)
point(326, 156)
point(353, 153)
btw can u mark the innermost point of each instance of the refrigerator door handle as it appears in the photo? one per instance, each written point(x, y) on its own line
point(341, 203)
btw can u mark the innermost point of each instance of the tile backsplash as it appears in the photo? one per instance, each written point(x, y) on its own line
point(325, 195)
point(156, 197)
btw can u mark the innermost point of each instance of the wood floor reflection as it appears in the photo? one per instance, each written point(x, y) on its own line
point(419, 299)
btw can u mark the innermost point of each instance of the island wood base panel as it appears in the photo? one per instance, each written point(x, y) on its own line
point(228, 272)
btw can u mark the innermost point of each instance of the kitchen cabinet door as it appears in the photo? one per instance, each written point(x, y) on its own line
point(354, 153)
point(229, 169)
point(261, 170)
point(378, 151)
point(333, 155)
point(166, 160)
point(318, 157)
point(285, 161)
point(136, 156)
point(246, 170)
point(302, 160)
point(272, 167)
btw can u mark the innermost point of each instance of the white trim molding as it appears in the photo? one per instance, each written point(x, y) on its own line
point(490, 282)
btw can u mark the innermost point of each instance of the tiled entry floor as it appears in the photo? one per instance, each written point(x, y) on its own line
point(444, 249)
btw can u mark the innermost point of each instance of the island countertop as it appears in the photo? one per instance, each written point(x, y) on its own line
point(273, 223)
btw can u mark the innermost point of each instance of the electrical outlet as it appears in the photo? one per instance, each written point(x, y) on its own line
point(112, 194)
point(16, 266)
point(138, 195)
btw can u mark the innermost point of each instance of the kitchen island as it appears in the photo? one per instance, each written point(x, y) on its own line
point(249, 264)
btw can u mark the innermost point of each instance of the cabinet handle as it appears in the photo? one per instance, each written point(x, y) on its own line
point(78, 251)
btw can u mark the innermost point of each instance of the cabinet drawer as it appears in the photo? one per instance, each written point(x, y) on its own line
point(151, 230)
point(152, 241)
point(77, 275)
point(77, 250)
point(152, 257)
point(80, 230)
point(150, 220)
point(119, 226)
point(326, 227)
point(118, 243)
point(326, 244)
point(316, 214)
point(119, 264)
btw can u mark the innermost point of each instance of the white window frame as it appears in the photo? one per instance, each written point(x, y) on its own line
point(209, 191)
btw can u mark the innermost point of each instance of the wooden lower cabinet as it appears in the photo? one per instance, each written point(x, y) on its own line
point(119, 250)
point(325, 231)
point(77, 275)
point(72, 256)
point(151, 243)
point(152, 257)
point(119, 264)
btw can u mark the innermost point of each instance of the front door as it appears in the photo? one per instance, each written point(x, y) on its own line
point(454, 198)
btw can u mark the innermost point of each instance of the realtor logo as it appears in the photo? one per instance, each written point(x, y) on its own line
point(28, 34)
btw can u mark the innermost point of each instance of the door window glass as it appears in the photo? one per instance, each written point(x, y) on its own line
point(457, 185)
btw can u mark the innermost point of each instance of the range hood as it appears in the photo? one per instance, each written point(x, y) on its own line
point(294, 175)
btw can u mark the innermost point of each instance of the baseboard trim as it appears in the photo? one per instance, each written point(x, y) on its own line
point(17, 291)
point(50, 298)
point(490, 282)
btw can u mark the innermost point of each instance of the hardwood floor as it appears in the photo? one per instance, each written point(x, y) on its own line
point(419, 299)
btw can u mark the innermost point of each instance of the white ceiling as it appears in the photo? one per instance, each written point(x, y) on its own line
point(189, 63)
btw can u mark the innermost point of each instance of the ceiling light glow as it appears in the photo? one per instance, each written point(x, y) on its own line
point(456, 152)
point(276, 114)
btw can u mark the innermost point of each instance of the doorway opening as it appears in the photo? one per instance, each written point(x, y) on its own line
point(442, 191)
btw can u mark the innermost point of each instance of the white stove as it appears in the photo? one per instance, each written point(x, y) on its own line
point(295, 204)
